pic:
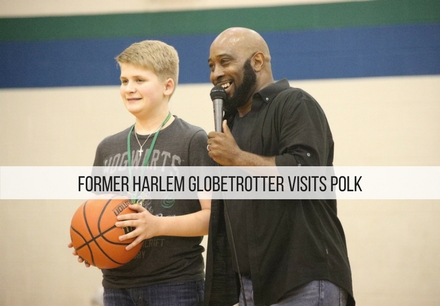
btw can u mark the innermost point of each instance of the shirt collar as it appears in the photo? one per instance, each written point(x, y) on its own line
point(268, 93)
point(262, 97)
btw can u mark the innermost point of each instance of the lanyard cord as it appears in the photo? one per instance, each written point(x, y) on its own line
point(150, 150)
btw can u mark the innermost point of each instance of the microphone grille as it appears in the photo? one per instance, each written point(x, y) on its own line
point(218, 92)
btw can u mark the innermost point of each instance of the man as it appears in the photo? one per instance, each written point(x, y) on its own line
point(284, 252)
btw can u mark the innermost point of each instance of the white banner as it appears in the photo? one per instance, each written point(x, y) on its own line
point(220, 182)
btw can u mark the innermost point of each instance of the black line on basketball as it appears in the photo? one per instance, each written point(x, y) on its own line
point(94, 238)
point(85, 244)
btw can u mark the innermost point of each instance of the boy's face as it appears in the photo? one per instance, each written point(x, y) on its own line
point(141, 90)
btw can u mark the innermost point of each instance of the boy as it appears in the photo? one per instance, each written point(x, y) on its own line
point(169, 269)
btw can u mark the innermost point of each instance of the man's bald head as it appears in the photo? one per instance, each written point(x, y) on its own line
point(243, 41)
point(239, 60)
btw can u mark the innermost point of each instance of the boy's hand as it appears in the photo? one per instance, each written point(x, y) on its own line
point(146, 225)
point(80, 259)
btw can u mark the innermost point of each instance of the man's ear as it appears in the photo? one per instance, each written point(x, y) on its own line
point(258, 61)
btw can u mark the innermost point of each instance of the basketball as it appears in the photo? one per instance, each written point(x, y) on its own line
point(95, 236)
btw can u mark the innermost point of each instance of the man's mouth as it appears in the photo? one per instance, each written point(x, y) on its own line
point(226, 85)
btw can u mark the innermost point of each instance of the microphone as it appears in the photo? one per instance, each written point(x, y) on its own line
point(218, 95)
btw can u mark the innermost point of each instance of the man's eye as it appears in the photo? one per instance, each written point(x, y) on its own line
point(124, 82)
point(224, 62)
point(140, 80)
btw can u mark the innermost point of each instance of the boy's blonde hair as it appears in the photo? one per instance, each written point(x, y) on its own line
point(153, 55)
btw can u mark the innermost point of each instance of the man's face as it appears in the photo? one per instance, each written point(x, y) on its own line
point(244, 91)
point(236, 76)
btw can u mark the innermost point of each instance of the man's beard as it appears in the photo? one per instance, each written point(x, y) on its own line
point(242, 93)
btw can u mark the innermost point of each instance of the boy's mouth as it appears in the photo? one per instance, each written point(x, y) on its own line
point(133, 99)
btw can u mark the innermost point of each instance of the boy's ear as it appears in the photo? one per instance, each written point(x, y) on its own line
point(169, 87)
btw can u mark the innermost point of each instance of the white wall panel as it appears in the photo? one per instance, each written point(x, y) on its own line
point(393, 245)
point(9, 8)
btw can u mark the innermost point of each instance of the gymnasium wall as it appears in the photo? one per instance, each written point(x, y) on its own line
point(374, 66)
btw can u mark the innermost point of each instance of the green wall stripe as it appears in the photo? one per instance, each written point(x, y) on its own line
point(278, 18)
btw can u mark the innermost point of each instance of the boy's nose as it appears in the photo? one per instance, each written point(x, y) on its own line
point(130, 87)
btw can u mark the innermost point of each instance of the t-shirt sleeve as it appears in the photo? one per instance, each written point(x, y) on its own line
point(198, 154)
point(98, 161)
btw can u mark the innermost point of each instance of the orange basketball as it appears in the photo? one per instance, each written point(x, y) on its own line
point(95, 236)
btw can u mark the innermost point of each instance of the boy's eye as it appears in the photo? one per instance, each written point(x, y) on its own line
point(140, 80)
point(124, 82)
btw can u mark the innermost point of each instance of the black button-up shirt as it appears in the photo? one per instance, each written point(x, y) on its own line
point(283, 244)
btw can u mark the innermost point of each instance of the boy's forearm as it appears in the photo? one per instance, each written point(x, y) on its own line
point(190, 225)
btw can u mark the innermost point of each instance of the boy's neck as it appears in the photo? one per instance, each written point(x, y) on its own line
point(146, 126)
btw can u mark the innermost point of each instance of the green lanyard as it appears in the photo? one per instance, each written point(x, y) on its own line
point(150, 150)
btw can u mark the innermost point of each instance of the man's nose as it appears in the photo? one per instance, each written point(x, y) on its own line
point(216, 74)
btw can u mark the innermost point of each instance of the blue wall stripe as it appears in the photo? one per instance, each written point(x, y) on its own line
point(309, 54)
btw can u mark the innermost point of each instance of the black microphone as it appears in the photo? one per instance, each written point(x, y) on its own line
point(218, 95)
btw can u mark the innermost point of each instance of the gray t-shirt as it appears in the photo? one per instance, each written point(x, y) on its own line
point(161, 259)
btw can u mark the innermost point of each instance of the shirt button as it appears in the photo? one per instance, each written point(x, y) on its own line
point(308, 154)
